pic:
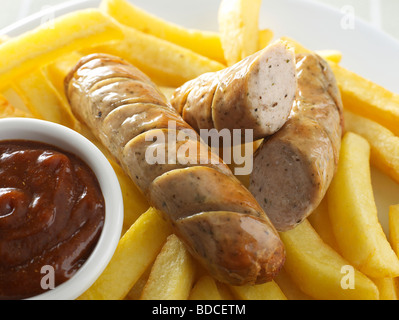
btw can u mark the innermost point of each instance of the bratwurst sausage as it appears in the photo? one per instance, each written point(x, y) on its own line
point(218, 219)
point(256, 93)
point(294, 167)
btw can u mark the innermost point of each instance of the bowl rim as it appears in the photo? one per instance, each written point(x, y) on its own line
point(71, 141)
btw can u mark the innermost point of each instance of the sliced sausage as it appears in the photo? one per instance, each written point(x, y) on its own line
point(137, 152)
point(205, 189)
point(294, 167)
point(245, 247)
point(210, 233)
point(256, 93)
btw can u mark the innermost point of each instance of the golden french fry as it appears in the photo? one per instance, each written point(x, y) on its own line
point(386, 287)
point(44, 44)
point(353, 212)
point(320, 221)
point(368, 99)
point(134, 202)
point(166, 63)
point(59, 69)
point(204, 43)
point(394, 228)
point(135, 292)
point(137, 249)
point(291, 43)
point(225, 291)
point(265, 38)
point(384, 144)
point(205, 289)
point(267, 291)
point(334, 56)
point(289, 287)
point(172, 274)
point(15, 100)
point(319, 271)
point(331, 55)
point(40, 97)
point(55, 73)
point(239, 28)
point(7, 110)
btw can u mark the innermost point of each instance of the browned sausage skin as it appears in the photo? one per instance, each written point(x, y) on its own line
point(294, 167)
point(256, 93)
point(234, 240)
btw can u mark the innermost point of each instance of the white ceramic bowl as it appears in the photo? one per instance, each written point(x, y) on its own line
point(71, 141)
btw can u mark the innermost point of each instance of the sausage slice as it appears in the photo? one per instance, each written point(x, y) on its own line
point(294, 168)
point(256, 93)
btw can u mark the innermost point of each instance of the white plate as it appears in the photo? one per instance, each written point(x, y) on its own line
point(366, 50)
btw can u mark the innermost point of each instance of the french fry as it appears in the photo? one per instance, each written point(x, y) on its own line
point(394, 239)
point(291, 43)
point(334, 56)
point(394, 228)
point(317, 269)
point(265, 38)
point(205, 289)
point(353, 212)
point(134, 202)
point(225, 291)
point(166, 63)
point(204, 43)
point(386, 288)
point(7, 110)
point(136, 251)
point(331, 55)
point(267, 291)
point(55, 74)
point(44, 44)
point(320, 221)
point(15, 100)
point(289, 287)
point(135, 292)
point(363, 97)
point(384, 144)
point(239, 28)
point(40, 97)
point(172, 274)
point(59, 69)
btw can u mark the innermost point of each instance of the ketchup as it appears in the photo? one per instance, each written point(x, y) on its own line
point(52, 212)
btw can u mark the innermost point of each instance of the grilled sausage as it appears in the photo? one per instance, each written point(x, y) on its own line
point(213, 213)
point(256, 93)
point(294, 167)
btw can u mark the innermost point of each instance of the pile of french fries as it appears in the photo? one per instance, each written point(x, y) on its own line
point(340, 252)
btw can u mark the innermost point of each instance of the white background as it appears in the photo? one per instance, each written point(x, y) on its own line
point(383, 14)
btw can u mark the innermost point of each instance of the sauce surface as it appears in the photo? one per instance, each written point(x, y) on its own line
point(52, 213)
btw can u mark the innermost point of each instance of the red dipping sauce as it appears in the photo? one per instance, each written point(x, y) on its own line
point(52, 212)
